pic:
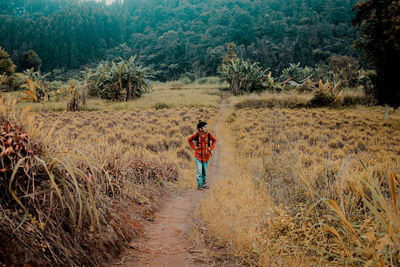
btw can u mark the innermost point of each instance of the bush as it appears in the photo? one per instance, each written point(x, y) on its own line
point(296, 73)
point(288, 102)
point(209, 80)
point(60, 204)
point(187, 77)
point(118, 81)
point(7, 67)
point(161, 106)
point(357, 100)
point(327, 95)
point(320, 99)
point(185, 80)
point(29, 60)
point(244, 76)
point(345, 69)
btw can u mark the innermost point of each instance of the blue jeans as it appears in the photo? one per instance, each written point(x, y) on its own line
point(201, 171)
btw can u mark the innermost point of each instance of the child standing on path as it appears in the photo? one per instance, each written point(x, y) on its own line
point(204, 144)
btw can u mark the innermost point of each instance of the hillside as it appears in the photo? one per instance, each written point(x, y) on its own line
point(176, 37)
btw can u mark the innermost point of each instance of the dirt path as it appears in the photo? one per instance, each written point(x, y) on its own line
point(167, 242)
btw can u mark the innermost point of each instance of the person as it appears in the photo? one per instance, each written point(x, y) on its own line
point(204, 143)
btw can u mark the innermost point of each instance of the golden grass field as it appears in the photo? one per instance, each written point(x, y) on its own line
point(99, 174)
point(159, 135)
point(294, 191)
point(291, 190)
point(172, 94)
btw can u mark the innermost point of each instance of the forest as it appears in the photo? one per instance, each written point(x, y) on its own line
point(105, 148)
point(178, 37)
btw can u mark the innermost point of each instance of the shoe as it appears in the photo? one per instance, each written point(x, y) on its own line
point(205, 186)
point(199, 188)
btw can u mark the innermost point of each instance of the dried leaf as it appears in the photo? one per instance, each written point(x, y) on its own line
point(31, 85)
point(320, 85)
point(393, 191)
point(31, 94)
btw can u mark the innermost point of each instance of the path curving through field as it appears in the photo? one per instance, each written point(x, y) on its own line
point(166, 241)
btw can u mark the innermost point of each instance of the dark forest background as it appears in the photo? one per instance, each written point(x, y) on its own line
point(176, 37)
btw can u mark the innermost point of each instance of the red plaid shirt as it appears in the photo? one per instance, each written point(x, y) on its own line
point(202, 151)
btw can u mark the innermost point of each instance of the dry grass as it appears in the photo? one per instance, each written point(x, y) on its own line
point(117, 164)
point(294, 100)
point(159, 135)
point(193, 95)
point(301, 195)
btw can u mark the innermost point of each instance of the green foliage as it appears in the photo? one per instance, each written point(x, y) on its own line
point(296, 73)
point(175, 37)
point(379, 26)
point(345, 69)
point(322, 72)
point(244, 76)
point(209, 80)
point(7, 67)
point(29, 60)
point(42, 86)
point(327, 95)
point(230, 53)
point(118, 81)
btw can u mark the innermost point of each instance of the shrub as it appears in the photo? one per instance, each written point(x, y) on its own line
point(185, 80)
point(117, 81)
point(345, 69)
point(29, 60)
point(37, 88)
point(296, 73)
point(209, 80)
point(290, 102)
point(327, 95)
point(58, 203)
point(152, 170)
point(7, 67)
point(244, 76)
point(161, 106)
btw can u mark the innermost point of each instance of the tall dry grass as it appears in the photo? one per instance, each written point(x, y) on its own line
point(301, 196)
point(156, 134)
point(194, 95)
point(56, 205)
point(100, 175)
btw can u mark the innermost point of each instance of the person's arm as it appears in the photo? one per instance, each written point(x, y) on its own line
point(190, 140)
point(214, 141)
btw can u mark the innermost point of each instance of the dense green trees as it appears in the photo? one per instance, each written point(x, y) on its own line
point(379, 25)
point(176, 37)
point(28, 60)
point(7, 67)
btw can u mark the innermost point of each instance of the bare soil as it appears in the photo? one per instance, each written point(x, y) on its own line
point(166, 239)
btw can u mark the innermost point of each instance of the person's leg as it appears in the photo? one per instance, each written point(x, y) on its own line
point(205, 166)
point(199, 172)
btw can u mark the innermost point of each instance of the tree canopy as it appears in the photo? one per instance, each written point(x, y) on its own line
point(379, 25)
point(176, 37)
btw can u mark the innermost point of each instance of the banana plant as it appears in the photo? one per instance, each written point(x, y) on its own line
point(244, 76)
point(121, 80)
point(332, 90)
point(296, 73)
point(35, 86)
point(29, 88)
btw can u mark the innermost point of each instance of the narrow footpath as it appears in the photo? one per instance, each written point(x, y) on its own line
point(167, 238)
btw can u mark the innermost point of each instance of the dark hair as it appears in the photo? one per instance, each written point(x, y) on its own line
point(201, 124)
